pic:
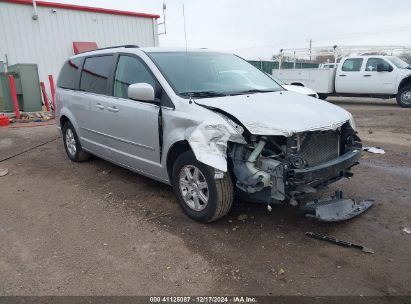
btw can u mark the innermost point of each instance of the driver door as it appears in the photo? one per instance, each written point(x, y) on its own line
point(132, 126)
point(375, 82)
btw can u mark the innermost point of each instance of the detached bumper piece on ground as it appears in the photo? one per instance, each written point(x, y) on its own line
point(323, 237)
point(336, 208)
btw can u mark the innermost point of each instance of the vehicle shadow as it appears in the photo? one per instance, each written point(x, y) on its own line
point(132, 188)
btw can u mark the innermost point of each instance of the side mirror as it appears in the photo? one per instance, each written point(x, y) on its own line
point(141, 92)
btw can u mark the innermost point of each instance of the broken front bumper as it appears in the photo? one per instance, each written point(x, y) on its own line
point(336, 208)
point(328, 169)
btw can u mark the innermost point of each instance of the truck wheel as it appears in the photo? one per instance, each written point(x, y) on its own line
point(404, 97)
point(322, 96)
point(202, 197)
point(72, 144)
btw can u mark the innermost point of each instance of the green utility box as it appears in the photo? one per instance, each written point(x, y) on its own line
point(26, 78)
point(6, 103)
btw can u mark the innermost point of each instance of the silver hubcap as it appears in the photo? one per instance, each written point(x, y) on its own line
point(406, 97)
point(193, 187)
point(70, 142)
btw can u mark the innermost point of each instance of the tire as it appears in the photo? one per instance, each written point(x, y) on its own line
point(322, 96)
point(72, 144)
point(404, 97)
point(219, 192)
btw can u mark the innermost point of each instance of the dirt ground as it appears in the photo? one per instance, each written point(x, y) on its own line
point(97, 229)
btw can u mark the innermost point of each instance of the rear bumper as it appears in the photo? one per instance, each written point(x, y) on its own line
point(327, 170)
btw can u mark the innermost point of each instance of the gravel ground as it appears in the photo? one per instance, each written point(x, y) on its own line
point(97, 229)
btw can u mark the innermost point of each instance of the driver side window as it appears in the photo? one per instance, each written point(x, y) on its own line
point(373, 62)
point(130, 70)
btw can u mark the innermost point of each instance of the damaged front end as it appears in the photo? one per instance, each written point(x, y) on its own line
point(276, 169)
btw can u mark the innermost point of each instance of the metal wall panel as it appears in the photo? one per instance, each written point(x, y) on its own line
point(48, 40)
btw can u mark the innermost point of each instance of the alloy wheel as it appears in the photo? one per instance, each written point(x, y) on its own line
point(193, 187)
point(406, 97)
point(71, 142)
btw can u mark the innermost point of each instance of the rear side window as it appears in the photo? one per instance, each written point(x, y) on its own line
point(130, 70)
point(352, 65)
point(95, 74)
point(68, 78)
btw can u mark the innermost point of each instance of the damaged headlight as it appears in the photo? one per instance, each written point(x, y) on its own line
point(239, 129)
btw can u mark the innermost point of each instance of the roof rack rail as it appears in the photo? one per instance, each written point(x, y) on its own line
point(113, 47)
point(130, 46)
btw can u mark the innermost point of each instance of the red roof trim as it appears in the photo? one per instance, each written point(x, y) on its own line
point(83, 8)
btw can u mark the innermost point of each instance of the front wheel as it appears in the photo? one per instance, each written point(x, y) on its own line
point(404, 97)
point(201, 196)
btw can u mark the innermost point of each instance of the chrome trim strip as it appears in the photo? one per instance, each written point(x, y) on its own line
point(120, 139)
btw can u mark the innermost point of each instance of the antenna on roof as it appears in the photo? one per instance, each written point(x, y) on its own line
point(185, 39)
point(164, 20)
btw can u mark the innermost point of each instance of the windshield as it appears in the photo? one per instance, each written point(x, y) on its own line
point(205, 74)
point(280, 82)
point(398, 62)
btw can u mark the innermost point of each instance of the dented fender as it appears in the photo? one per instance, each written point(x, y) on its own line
point(209, 141)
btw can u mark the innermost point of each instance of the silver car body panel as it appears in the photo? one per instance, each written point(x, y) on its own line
point(280, 113)
point(112, 137)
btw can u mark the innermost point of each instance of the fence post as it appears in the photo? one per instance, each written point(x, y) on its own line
point(45, 98)
point(14, 96)
point(53, 92)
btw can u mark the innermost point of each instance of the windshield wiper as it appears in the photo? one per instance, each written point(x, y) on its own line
point(252, 91)
point(201, 94)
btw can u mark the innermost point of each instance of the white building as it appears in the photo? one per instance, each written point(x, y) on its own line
point(44, 32)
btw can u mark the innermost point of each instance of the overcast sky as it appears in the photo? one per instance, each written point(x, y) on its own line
point(259, 28)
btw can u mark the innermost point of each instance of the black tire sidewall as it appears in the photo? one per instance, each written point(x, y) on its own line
point(399, 101)
point(76, 156)
point(188, 158)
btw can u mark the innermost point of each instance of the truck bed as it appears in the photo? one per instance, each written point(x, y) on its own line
point(320, 80)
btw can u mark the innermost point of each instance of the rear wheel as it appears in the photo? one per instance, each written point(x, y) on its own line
point(72, 144)
point(404, 97)
point(201, 196)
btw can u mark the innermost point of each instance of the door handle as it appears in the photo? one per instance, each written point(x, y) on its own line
point(112, 109)
point(342, 75)
point(99, 106)
point(367, 75)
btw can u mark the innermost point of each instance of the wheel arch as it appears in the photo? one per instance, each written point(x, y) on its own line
point(63, 120)
point(299, 84)
point(65, 116)
point(175, 150)
point(404, 82)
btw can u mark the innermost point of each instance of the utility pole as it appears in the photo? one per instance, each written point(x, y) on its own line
point(311, 42)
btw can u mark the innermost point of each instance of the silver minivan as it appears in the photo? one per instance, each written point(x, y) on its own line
point(209, 124)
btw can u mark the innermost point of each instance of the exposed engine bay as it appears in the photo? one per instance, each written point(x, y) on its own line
point(274, 169)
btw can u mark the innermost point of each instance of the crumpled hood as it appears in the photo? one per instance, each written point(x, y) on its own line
point(280, 113)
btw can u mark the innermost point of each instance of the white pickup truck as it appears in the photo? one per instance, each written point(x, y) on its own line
point(362, 76)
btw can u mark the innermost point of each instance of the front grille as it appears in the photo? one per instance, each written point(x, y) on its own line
point(319, 147)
